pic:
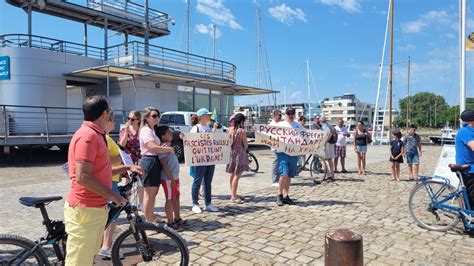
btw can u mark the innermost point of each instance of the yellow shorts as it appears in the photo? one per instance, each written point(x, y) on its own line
point(85, 228)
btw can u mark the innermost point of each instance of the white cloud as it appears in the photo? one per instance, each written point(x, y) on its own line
point(427, 19)
point(351, 6)
point(203, 29)
point(286, 14)
point(296, 95)
point(218, 13)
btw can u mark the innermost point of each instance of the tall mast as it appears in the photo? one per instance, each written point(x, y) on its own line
point(462, 36)
point(391, 72)
point(258, 56)
point(309, 90)
point(214, 40)
point(408, 94)
point(188, 3)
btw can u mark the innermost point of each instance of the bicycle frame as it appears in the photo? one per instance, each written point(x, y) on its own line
point(466, 214)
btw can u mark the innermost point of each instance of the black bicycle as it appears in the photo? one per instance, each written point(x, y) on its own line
point(141, 242)
point(253, 162)
point(318, 168)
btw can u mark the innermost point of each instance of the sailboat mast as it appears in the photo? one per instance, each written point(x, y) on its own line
point(462, 36)
point(258, 58)
point(408, 94)
point(391, 72)
point(309, 90)
point(187, 25)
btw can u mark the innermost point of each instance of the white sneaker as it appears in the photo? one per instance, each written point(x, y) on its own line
point(196, 209)
point(275, 184)
point(211, 208)
point(105, 253)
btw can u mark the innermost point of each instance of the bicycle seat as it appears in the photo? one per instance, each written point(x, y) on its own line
point(459, 167)
point(34, 202)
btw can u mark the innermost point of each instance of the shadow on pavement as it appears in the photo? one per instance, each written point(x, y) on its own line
point(302, 203)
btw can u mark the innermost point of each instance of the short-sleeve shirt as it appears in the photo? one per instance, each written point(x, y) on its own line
point(88, 145)
point(146, 135)
point(132, 146)
point(341, 138)
point(292, 124)
point(411, 143)
point(114, 152)
point(396, 147)
point(173, 165)
point(464, 154)
point(200, 128)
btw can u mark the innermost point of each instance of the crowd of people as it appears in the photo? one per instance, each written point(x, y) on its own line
point(95, 167)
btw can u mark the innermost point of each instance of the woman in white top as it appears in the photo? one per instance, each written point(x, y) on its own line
point(150, 147)
point(203, 174)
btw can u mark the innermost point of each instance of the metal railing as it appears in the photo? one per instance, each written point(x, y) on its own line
point(131, 11)
point(39, 42)
point(136, 54)
point(132, 54)
point(42, 121)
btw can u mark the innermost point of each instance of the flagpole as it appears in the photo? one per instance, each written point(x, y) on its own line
point(462, 37)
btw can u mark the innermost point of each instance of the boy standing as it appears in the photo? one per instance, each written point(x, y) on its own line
point(412, 143)
point(170, 179)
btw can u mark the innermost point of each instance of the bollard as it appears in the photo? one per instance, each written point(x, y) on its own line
point(343, 247)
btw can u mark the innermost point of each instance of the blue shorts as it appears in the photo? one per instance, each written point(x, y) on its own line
point(287, 165)
point(413, 158)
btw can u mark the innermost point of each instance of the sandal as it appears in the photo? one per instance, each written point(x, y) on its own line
point(237, 201)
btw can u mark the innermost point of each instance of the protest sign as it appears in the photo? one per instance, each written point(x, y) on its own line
point(447, 156)
point(206, 148)
point(291, 141)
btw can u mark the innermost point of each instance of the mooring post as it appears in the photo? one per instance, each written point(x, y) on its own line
point(343, 247)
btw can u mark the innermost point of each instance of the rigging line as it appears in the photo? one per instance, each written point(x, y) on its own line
point(381, 66)
point(368, 96)
point(314, 85)
point(181, 34)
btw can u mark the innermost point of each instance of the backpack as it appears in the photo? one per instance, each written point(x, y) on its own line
point(333, 138)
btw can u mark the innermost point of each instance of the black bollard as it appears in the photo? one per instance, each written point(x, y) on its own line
point(343, 248)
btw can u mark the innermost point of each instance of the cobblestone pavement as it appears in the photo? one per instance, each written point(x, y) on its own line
point(260, 232)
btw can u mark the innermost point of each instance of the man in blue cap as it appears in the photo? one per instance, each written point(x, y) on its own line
point(465, 151)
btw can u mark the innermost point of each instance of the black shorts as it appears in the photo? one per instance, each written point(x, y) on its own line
point(151, 170)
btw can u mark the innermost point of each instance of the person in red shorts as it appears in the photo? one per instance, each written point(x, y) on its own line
point(170, 179)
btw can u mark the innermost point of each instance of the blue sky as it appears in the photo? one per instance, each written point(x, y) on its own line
point(342, 39)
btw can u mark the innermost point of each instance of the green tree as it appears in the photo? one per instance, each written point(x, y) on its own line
point(469, 103)
point(451, 116)
point(426, 110)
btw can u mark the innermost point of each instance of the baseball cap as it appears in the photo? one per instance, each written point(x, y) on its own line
point(203, 111)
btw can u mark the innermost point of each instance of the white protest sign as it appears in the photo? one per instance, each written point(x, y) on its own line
point(291, 141)
point(447, 156)
point(206, 148)
point(126, 159)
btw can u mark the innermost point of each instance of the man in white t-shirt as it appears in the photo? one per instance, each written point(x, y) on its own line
point(287, 164)
point(340, 147)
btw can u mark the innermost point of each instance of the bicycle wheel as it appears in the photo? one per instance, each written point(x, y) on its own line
point(319, 170)
point(152, 243)
point(17, 250)
point(253, 163)
point(425, 214)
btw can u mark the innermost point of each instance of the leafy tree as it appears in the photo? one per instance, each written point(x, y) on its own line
point(426, 110)
point(469, 103)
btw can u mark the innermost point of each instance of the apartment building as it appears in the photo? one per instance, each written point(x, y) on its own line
point(349, 108)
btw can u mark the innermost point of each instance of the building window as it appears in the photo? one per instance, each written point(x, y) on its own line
point(185, 99)
point(351, 112)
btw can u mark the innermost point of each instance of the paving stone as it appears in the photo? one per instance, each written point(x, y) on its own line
point(259, 232)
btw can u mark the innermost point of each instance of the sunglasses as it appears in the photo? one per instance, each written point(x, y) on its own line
point(131, 119)
point(155, 116)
